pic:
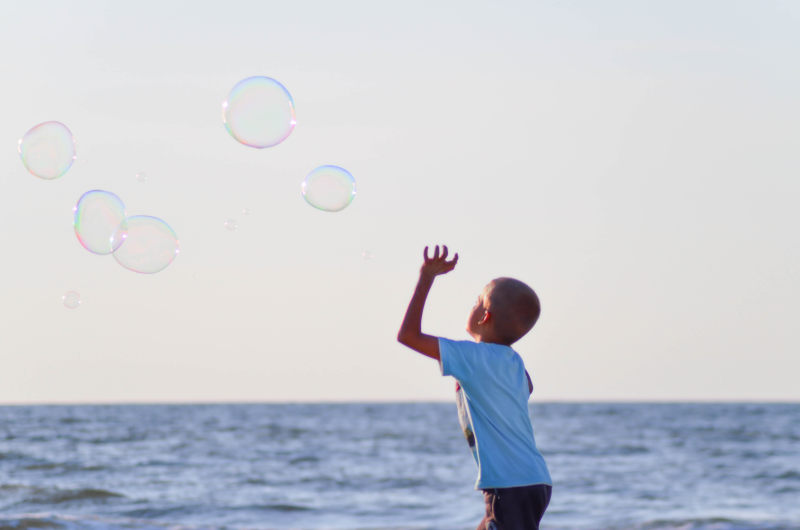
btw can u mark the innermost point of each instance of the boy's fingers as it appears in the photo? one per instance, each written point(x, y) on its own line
point(439, 254)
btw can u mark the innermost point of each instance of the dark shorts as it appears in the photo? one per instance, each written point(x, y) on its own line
point(519, 508)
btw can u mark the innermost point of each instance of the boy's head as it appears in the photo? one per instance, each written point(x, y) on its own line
point(506, 310)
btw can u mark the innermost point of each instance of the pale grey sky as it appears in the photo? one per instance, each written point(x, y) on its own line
point(635, 162)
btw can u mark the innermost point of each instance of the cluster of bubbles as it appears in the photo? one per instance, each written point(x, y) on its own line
point(231, 225)
point(259, 113)
point(141, 243)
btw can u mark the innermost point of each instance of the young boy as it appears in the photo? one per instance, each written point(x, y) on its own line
point(492, 391)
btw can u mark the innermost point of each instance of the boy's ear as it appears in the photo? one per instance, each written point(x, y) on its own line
point(485, 318)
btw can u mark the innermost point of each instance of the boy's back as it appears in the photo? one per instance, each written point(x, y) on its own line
point(492, 397)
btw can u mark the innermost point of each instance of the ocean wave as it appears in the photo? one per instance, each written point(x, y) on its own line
point(65, 467)
point(708, 523)
point(86, 522)
point(21, 462)
point(12, 487)
point(17, 457)
point(620, 450)
point(28, 522)
point(58, 496)
point(304, 459)
point(790, 475)
point(275, 507)
point(158, 513)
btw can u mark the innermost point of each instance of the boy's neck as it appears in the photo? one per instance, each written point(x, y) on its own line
point(490, 339)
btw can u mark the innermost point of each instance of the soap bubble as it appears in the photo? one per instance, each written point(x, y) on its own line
point(259, 112)
point(141, 177)
point(98, 215)
point(71, 299)
point(230, 225)
point(329, 188)
point(147, 246)
point(47, 150)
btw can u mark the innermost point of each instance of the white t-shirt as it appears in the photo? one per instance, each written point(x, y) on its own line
point(492, 397)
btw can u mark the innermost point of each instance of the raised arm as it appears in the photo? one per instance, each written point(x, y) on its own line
point(410, 333)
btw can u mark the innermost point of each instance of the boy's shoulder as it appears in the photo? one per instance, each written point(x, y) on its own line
point(478, 346)
point(471, 361)
point(487, 353)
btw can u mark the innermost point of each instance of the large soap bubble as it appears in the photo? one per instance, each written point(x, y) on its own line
point(329, 188)
point(98, 216)
point(259, 112)
point(147, 246)
point(47, 150)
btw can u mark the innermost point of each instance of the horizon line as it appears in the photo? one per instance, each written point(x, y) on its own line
point(570, 401)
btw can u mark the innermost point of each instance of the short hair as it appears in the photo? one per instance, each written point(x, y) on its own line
point(515, 307)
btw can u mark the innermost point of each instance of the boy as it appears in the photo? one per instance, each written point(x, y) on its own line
point(492, 391)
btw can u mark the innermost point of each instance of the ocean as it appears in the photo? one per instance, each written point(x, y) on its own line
point(687, 466)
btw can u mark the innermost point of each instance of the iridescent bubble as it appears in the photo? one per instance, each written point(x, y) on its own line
point(141, 177)
point(147, 246)
point(329, 188)
point(47, 150)
point(98, 216)
point(259, 112)
point(71, 299)
point(230, 225)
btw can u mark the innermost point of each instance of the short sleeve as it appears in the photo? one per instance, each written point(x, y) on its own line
point(458, 358)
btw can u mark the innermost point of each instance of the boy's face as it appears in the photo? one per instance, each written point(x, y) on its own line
point(477, 316)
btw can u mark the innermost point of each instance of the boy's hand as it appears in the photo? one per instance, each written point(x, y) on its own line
point(438, 264)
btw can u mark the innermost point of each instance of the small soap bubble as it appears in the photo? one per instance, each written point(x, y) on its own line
point(367, 255)
point(147, 246)
point(47, 150)
point(71, 299)
point(245, 211)
point(329, 188)
point(230, 225)
point(259, 112)
point(141, 177)
point(98, 215)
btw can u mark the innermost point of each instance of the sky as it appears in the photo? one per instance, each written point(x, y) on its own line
point(635, 162)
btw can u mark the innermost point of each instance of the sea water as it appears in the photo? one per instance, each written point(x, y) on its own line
point(390, 466)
